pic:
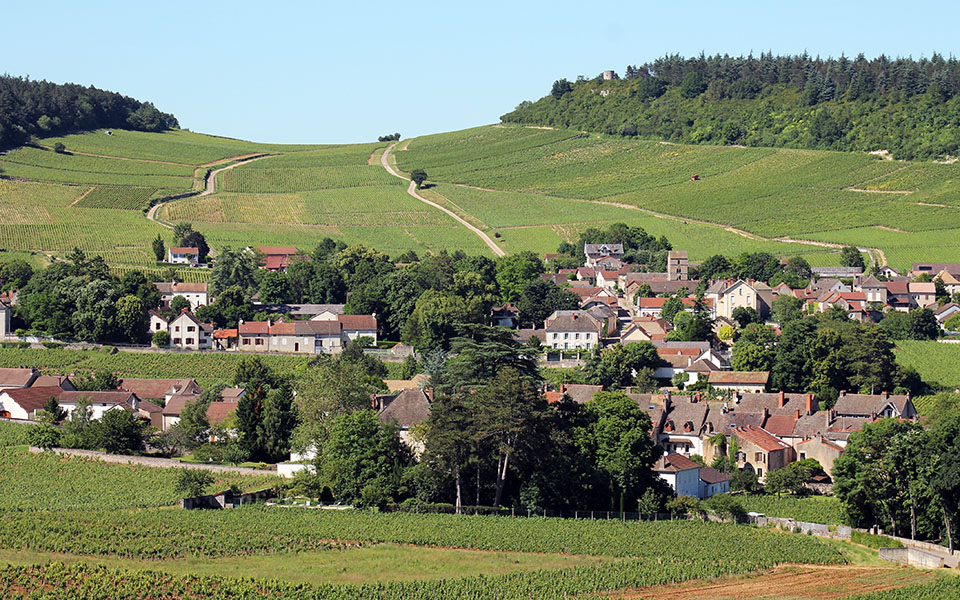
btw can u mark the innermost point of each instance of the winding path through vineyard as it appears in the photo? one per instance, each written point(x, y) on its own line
point(412, 190)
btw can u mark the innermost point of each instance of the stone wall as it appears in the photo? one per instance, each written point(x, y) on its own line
point(912, 557)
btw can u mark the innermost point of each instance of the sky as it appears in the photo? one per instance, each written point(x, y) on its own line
point(322, 72)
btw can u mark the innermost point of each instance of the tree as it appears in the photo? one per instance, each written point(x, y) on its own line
point(449, 428)
point(44, 436)
point(132, 318)
point(692, 85)
point(191, 483)
point(159, 249)
point(418, 176)
point(15, 274)
point(195, 239)
point(119, 431)
point(798, 266)
point(725, 506)
point(540, 298)
point(514, 272)
point(233, 268)
point(745, 315)
point(671, 308)
point(194, 424)
point(59, 148)
point(790, 478)
point(278, 421)
point(178, 303)
point(510, 413)
point(615, 366)
point(560, 88)
point(850, 257)
point(97, 380)
point(786, 308)
point(135, 283)
point(52, 408)
point(161, 339)
point(751, 357)
point(359, 453)
point(275, 288)
point(616, 437)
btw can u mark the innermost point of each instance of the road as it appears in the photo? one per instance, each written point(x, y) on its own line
point(412, 190)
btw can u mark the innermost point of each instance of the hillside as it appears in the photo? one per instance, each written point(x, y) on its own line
point(907, 107)
point(41, 108)
point(536, 185)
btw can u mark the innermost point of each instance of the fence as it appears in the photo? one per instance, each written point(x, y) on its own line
point(595, 515)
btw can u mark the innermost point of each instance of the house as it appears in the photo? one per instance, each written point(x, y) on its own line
point(23, 403)
point(298, 337)
point(922, 294)
point(713, 482)
point(874, 290)
point(194, 293)
point(253, 336)
point(61, 381)
point(5, 312)
point(357, 326)
point(875, 406)
point(728, 295)
point(224, 339)
point(680, 473)
point(277, 258)
point(946, 312)
point(158, 322)
point(682, 426)
point(594, 252)
point(505, 316)
point(739, 381)
point(188, 333)
point(760, 451)
point(678, 267)
point(183, 256)
point(159, 389)
point(653, 307)
point(950, 281)
point(578, 392)
point(898, 295)
point(828, 284)
point(398, 385)
point(408, 409)
point(932, 269)
point(820, 449)
point(836, 272)
point(645, 329)
point(696, 362)
point(572, 330)
point(18, 377)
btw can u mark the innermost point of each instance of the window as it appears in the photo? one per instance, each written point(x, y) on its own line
point(758, 456)
point(555, 336)
point(176, 341)
point(284, 341)
point(566, 336)
point(158, 326)
point(759, 473)
point(246, 341)
point(576, 336)
point(177, 328)
point(191, 328)
point(259, 342)
point(189, 341)
point(803, 456)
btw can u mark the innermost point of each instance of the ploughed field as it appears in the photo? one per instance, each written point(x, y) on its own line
point(103, 528)
point(909, 210)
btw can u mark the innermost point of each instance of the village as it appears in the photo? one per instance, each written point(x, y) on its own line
point(700, 403)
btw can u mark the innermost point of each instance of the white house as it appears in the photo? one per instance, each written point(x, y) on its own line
point(183, 255)
point(572, 330)
point(24, 403)
point(680, 473)
point(713, 482)
point(194, 293)
point(5, 311)
point(188, 333)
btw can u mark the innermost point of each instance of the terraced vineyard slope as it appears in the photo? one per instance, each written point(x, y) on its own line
point(541, 184)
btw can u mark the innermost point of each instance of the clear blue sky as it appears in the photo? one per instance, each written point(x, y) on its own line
point(303, 72)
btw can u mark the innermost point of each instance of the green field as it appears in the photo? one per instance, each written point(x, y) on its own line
point(769, 192)
point(813, 509)
point(937, 363)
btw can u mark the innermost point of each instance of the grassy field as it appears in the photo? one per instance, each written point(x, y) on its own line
point(769, 192)
point(937, 363)
point(813, 509)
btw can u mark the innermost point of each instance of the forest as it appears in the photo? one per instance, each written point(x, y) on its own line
point(40, 108)
point(905, 106)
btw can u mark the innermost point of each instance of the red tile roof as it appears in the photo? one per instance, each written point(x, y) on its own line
point(760, 437)
point(217, 412)
point(159, 388)
point(781, 425)
point(671, 463)
point(222, 334)
point(184, 250)
point(253, 327)
point(358, 322)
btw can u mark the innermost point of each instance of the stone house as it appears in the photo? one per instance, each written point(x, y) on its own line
point(572, 330)
point(194, 293)
point(760, 451)
point(729, 295)
point(739, 381)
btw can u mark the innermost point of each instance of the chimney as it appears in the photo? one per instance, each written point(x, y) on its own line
point(781, 399)
point(873, 416)
point(797, 416)
point(810, 410)
point(429, 393)
point(884, 394)
point(696, 397)
point(843, 393)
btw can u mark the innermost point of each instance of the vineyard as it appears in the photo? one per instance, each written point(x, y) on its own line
point(79, 483)
point(258, 179)
point(124, 198)
point(813, 509)
point(937, 363)
point(770, 192)
point(14, 434)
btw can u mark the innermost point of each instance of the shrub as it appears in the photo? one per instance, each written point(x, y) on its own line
point(192, 482)
point(59, 148)
point(44, 436)
point(874, 541)
point(161, 339)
